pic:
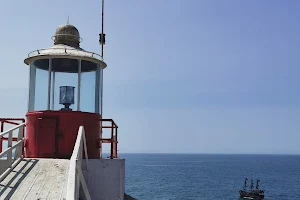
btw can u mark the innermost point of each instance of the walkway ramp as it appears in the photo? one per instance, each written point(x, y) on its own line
point(34, 179)
point(42, 178)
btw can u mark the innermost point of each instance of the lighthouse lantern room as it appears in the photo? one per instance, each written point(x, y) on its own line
point(65, 92)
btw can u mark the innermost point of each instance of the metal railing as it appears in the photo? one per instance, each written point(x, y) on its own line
point(64, 51)
point(75, 176)
point(11, 121)
point(113, 140)
point(12, 161)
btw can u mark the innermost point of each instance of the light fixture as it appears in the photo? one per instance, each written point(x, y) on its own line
point(66, 96)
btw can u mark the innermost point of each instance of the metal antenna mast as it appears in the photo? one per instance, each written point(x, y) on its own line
point(102, 35)
point(102, 42)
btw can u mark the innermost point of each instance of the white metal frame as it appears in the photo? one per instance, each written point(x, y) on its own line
point(53, 87)
point(78, 85)
point(32, 80)
point(12, 162)
point(101, 93)
point(49, 83)
point(97, 89)
point(75, 176)
point(65, 53)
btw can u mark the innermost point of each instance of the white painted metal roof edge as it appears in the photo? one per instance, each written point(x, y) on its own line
point(65, 51)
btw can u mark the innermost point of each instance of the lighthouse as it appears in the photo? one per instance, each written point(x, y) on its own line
point(64, 94)
point(61, 138)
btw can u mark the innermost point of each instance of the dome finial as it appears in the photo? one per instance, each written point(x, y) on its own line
point(68, 20)
point(67, 34)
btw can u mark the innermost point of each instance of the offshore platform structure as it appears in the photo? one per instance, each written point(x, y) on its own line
point(57, 151)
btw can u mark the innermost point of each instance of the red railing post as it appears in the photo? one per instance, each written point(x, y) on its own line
point(116, 142)
point(111, 142)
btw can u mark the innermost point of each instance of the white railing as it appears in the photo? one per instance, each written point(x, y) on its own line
point(75, 176)
point(64, 51)
point(11, 162)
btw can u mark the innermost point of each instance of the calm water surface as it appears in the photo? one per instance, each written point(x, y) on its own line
point(205, 177)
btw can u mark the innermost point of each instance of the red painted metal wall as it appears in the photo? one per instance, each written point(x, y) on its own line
point(52, 134)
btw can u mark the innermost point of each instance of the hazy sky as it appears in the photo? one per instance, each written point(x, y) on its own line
point(183, 76)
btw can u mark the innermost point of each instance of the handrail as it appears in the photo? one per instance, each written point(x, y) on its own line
point(39, 51)
point(75, 176)
point(11, 163)
point(113, 140)
point(12, 129)
point(11, 148)
point(12, 121)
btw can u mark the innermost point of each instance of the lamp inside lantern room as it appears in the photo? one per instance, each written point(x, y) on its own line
point(66, 96)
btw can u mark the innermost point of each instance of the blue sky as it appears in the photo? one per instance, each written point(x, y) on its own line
point(183, 76)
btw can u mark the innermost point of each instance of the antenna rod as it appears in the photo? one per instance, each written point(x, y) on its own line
point(102, 43)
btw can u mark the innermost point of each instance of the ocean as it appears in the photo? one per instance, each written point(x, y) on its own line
point(210, 177)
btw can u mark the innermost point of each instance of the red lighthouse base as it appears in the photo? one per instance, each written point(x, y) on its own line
point(52, 134)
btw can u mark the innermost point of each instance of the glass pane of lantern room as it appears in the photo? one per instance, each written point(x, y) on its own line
point(100, 88)
point(41, 84)
point(87, 86)
point(64, 84)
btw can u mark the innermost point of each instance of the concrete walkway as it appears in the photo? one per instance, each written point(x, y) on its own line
point(36, 179)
